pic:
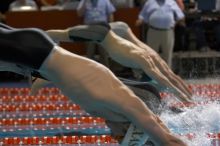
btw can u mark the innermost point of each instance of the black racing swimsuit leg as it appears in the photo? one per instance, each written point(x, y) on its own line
point(24, 47)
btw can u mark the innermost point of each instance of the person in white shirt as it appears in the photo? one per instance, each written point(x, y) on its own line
point(161, 17)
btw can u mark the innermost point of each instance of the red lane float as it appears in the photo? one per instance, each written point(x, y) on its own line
point(38, 107)
point(38, 98)
point(46, 140)
point(51, 121)
point(26, 91)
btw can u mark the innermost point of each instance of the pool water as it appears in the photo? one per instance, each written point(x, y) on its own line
point(197, 122)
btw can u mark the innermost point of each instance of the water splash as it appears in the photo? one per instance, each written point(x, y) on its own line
point(199, 120)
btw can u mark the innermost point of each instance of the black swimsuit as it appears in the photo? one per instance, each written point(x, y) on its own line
point(94, 32)
point(29, 47)
point(26, 47)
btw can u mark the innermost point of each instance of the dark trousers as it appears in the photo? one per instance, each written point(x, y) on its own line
point(205, 28)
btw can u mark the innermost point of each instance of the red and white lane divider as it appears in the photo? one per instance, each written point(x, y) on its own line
point(77, 140)
point(55, 140)
point(38, 107)
point(36, 98)
point(51, 121)
point(26, 91)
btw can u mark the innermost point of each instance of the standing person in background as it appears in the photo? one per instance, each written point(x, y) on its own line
point(96, 11)
point(18, 4)
point(161, 17)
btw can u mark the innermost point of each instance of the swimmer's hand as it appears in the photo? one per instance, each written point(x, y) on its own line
point(184, 98)
point(37, 85)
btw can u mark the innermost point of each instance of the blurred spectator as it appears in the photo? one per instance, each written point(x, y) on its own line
point(96, 11)
point(180, 31)
point(4, 5)
point(23, 5)
point(205, 25)
point(123, 3)
point(161, 17)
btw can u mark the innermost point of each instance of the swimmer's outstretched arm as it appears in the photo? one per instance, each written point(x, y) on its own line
point(130, 55)
point(123, 30)
point(122, 51)
point(107, 96)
